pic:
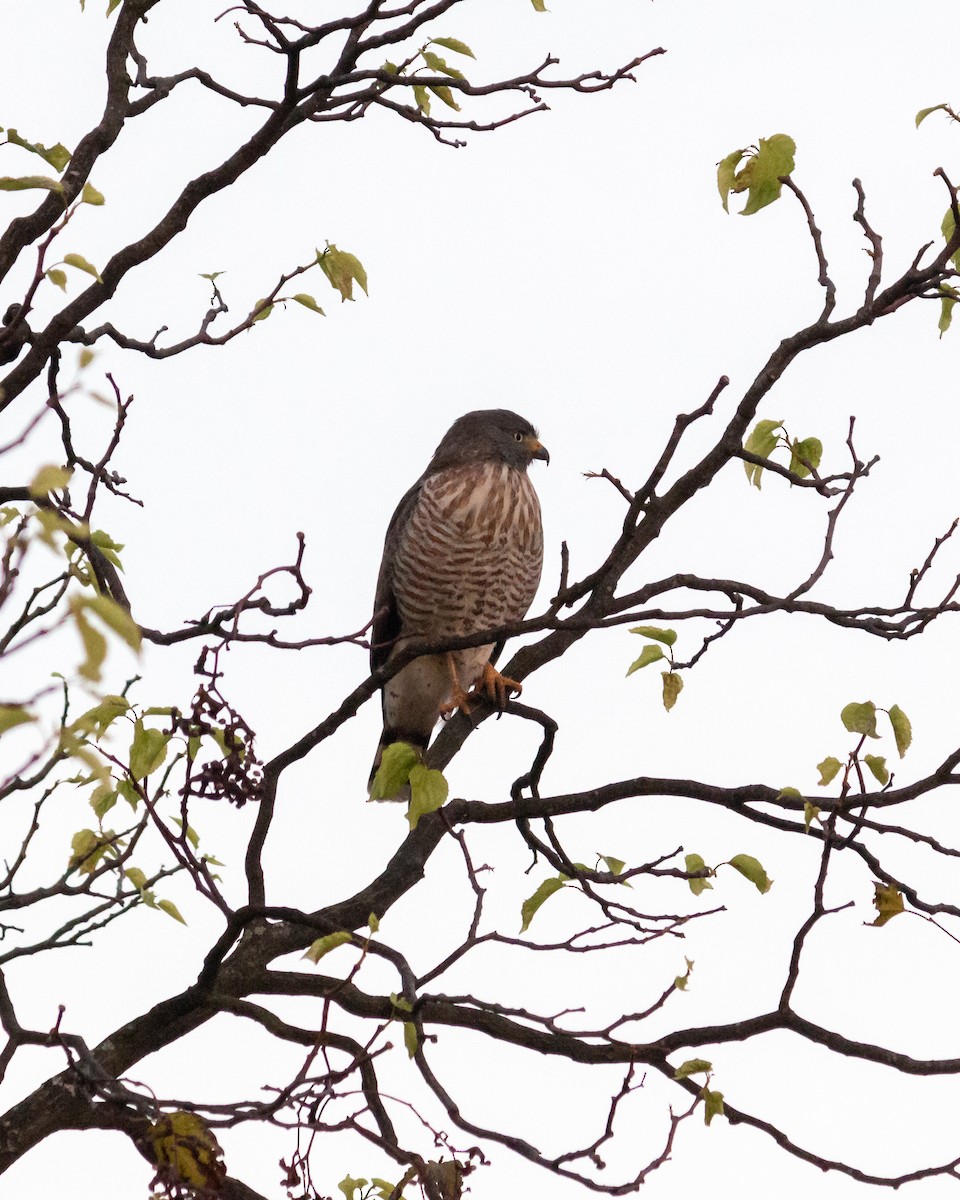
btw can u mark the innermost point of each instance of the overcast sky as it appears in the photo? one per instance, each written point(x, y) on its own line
point(578, 267)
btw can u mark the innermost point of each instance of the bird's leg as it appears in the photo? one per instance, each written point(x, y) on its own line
point(494, 687)
point(458, 697)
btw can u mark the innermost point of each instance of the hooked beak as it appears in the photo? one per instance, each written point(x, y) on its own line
point(536, 449)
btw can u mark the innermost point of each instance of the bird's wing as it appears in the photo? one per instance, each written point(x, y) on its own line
point(386, 624)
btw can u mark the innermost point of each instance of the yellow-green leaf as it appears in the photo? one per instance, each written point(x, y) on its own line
point(49, 479)
point(444, 94)
point(902, 731)
point(878, 767)
point(925, 112)
point(531, 905)
point(760, 176)
point(342, 269)
point(90, 195)
point(693, 1066)
point(762, 442)
point(455, 45)
point(410, 1037)
point(171, 910)
point(148, 750)
point(694, 863)
point(264, 312)
point(860, 718)
point(712, 1105)
point(649, 655)
point(186, 1151)
point(325, 944)
point(726, 175)
point(21, 183)
point(810, 450)
point(667, 636)
point(829, 769)
point(397, 762)
point(422, 97)
point(12, 715)
point(115, 617)
point(308, 302)
point(57, 277)
point(810, 814)
point(81, 264)
point(428, 792)
point(751, 869)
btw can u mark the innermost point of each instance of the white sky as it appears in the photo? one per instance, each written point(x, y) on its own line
point(577, 267)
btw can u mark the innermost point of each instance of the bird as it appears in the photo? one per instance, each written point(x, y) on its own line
point(463, 553)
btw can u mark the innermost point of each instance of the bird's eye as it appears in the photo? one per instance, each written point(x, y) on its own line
point(518, 436)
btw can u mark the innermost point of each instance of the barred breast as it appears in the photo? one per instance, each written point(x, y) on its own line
point(471, 554)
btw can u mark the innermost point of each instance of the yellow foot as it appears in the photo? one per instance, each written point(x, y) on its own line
point(459, 699)
point(494, 687)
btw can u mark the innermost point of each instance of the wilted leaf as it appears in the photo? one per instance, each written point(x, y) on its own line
point(186, 1152)
point(543, 893)
point(672, 687)
point(693, 862)
point(342, 269)
point(693, 1066)
point(539, 5)
point(397, 762)
point(860, 718)
point(57, 156)
point(878, 767)
point(751, 869)
point(650, 655)
point(325, 944)
point(888, 903)
point(422, 97)
point(902, 731)
point(667, 636)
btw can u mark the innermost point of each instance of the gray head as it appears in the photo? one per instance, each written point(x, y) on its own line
point(488, 435)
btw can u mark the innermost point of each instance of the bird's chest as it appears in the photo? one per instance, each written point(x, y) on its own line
point(471, 553)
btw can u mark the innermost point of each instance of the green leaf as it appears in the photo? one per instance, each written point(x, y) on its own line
point(789, 793)
point(751, 869)
point(148, 750)
point(878, 768)
point(650, 655)
point(828, 769)
point(693, 862)
point(348, 1186)
point(681, 981)
point(12, 715)
point(422, 97)
point(212, 276)
point(49, 479)
point(22, 183)
point(667, 636)
point(103, 541)
point(888, 903)
point(136, 877)
point(760, 175)
point(57, 277)
point(342, 269)
point(948, 228)
point(429, 792)
point(397, 762)
point(528, 909)
point(693, 1066)
point(810, 814)
point(901, 729)
point(445, 94)
point(860, 718)
point(102, 800)
point(948, 298)
point(171, 910)
point(308, 302)
point(726, 175)
point(89, 849)
point(57, 156)
point(115, 617)
point(436, 63)
point(925, 112)
point(712, 1105)
point(539, 5)
point(762, 442)
point(111, 5)
point(614, 865)
point(455, 45)
point(264, 312)
point(90, 195)
point(810, 450)
point(672, 687)
point(81, 264)
point(94, 643)
point(373, 922)
point(324, 945)
point(410, 1037)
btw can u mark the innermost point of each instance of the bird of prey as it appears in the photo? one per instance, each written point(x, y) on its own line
point(463, 553)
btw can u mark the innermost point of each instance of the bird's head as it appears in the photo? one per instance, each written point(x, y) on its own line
point(490, 435)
